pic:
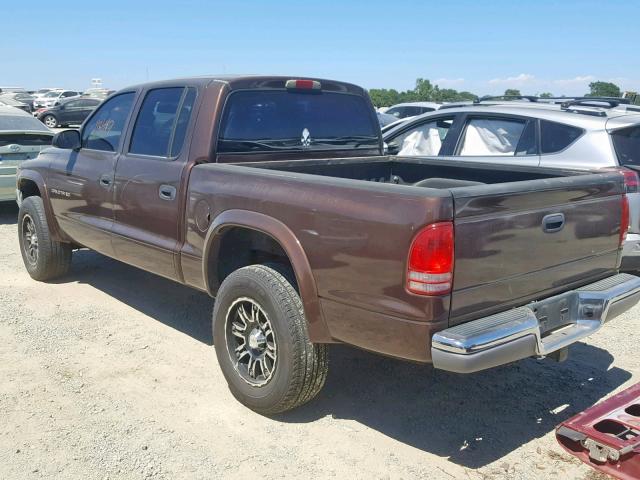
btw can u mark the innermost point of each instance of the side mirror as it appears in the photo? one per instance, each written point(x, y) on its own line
point(67, 139)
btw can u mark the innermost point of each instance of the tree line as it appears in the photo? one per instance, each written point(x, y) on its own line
point(425, 91)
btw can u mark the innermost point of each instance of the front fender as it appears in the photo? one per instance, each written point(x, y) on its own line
point(37, 178)
point(318, 331)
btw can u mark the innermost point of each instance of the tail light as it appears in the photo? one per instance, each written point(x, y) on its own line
point(624, 220)
point(631, 180)
point(430, 264)
point(631, 184)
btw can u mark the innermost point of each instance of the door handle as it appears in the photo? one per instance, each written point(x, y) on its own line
point(105, 180)
point(167, 192)
point(553, 223)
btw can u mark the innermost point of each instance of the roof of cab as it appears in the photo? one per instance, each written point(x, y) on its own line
point(241, 82)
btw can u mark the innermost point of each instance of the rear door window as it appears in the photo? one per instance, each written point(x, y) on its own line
point(104, 129)
point(275, 120)
point(158, 121)
point(425, 139)
point(491, 136)
point(627, 145)
point(555, 137)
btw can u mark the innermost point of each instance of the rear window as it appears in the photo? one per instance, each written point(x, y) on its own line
point(259, 120)
point(555, 137)
point(27, 139)
point(627, 145)
point(19, 122)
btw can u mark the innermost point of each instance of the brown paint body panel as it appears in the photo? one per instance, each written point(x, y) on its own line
point(347, 239)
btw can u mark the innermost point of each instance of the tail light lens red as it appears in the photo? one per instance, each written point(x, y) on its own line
point(430, 264)
point(631, 180)
point(624, 220)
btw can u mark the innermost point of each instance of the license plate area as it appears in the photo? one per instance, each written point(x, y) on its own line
point(556, 312)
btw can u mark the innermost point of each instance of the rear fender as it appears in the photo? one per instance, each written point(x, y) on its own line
point(318, 331)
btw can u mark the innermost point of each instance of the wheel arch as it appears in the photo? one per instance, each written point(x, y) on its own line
point(290, 245)
point(31, 183)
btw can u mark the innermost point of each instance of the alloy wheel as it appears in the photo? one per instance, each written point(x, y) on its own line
point(30, 239)
point(251, 341)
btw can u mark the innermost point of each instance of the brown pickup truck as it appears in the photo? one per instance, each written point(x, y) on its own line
point(273, 195)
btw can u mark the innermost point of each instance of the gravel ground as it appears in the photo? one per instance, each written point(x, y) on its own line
point(110, 373)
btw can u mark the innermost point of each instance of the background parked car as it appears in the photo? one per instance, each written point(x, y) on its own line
point(51, 98)
point(411, 109)
point(22, 97)
point(585, 134)
point(21, 138)
point(384, 119)
point(10, 102)
point(68, 112)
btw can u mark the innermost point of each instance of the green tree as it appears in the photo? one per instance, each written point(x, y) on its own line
point(546, 95)
point(512, 92)
point(603, 89)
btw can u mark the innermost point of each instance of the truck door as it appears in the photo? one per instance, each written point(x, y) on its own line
point(81, 182)
point(148, 207)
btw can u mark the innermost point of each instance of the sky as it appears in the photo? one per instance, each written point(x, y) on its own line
point(483, 47)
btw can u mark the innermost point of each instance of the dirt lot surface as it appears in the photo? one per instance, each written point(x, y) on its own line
point(110, 373)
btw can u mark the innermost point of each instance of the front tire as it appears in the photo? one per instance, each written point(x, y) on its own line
point(262, 344)
point(43, 257)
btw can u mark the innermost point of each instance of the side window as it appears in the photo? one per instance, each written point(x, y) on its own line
point(74, 104)
point(164, 116)
point(557, 136)
point(424, 139)
point(183, 122)
point(105, 128)
point(528, 144)
point(491, 136)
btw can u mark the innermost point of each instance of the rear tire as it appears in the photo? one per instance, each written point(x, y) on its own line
point(50, 121)
point(262, 344)
point(43, 257)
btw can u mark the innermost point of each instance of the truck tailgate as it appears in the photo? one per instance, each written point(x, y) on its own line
point(522, 241)
point(607, 436)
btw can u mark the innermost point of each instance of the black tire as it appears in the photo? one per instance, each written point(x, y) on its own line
point(50, 121)
point(52, 259)
point(300, 368)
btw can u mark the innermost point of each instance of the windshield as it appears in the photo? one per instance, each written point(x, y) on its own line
point(259, 120)
point(627, 144)
point(15, 122)
point(52, 94)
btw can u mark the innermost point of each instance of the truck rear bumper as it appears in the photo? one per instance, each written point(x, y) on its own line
point(537, 329)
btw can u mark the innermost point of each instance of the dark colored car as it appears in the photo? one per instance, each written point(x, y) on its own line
point(69, 112)
point(272, 194)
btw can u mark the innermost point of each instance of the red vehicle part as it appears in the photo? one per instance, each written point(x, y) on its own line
point(607, 436)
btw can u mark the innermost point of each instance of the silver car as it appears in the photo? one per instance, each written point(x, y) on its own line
point(583, 134)
point(21, 138)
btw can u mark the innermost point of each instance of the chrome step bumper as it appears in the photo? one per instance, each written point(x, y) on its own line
point(520, 333)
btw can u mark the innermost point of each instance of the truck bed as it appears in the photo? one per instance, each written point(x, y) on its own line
point(355, 219)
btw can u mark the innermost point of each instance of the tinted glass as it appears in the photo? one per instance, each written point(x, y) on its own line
point(556, 136)
point(627, 145)
point(183, 122)
point(528, 144)
point(259, 120)
point(104, 129)
point(491, 137)
point(19, 122)
point(424, 139)
point(73, 104)
point(156, 121)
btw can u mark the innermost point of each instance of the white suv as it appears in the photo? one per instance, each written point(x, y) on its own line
point(584, 134)
point(49, 99)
